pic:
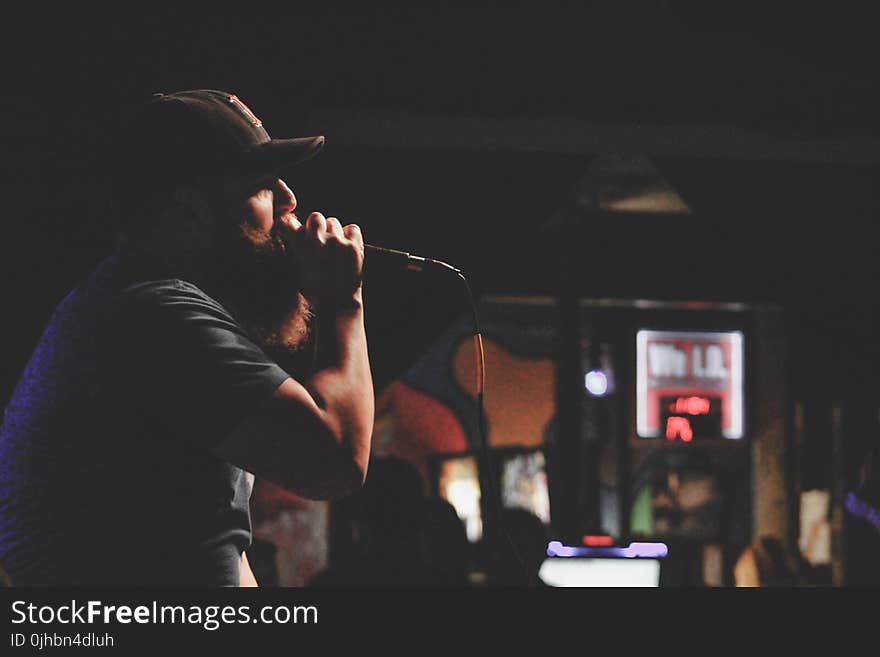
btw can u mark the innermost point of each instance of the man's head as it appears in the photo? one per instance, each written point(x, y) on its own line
point(197, 180)
point(182, 139)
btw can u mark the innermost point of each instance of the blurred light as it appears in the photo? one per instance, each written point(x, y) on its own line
point(691, 406)
point(633, 551)
point(597, 541)
point(630, 183)
point(596, 383)
point(679, 427)
point(862, 509)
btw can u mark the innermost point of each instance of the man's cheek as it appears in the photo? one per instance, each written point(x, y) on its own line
point(258, 213)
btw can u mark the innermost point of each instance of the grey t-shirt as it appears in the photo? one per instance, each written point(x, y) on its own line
point(106, 473)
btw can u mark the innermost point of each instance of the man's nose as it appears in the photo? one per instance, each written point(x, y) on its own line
point(285, 201)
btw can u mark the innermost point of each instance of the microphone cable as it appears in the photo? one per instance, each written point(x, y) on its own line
point(493, 503)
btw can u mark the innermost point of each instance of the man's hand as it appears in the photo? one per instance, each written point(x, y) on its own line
point(330, 258)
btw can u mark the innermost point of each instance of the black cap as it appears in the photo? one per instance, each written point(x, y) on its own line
point(177, 137)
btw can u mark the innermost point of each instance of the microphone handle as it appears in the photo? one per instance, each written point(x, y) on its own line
point(406, 260)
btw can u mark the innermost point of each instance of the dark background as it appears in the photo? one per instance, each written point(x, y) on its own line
point(794, 233)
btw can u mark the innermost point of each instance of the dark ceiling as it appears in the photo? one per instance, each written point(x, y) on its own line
point(803, 73)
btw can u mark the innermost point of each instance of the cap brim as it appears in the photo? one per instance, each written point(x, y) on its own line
point(280, 153)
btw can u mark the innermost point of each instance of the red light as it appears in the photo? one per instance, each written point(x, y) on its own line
point(598, 541)
point(679, 427)
point(690, 406)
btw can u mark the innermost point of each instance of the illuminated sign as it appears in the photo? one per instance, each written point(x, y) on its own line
point(685, 417)
point(689, 384)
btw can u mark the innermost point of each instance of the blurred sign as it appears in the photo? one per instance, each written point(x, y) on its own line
point(689, 384)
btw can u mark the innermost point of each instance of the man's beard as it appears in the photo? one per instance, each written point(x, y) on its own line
point(256, 278)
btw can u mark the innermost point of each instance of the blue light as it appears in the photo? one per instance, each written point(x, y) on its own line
point(596, 383)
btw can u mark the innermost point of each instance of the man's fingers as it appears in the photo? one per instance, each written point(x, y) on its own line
point(316, 224)
point(330, 255)
point(334, 228)
point(353, 232)
point(320, 228)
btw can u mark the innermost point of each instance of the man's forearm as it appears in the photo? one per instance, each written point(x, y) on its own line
point(342, 382)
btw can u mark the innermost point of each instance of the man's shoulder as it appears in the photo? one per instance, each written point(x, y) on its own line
point(177, 304)
point(134, 278)
point(172, 294)
point(164, 287)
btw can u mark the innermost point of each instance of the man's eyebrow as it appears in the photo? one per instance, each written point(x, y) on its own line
point(256, 181)
point(262, 178)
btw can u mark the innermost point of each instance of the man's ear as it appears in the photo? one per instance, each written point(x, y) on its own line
point(195, 215)
point(194, 201)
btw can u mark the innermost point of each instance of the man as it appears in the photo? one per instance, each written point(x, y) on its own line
point(224, 338)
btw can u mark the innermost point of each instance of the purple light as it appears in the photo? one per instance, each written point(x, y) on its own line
point(557, 549)
point(859, 508)
point(633, 551)
point(648, 550)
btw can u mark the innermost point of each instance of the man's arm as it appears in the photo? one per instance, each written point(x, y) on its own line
point(314, 437)
point(246, 575)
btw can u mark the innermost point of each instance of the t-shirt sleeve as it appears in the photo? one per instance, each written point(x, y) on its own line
point(201, 374)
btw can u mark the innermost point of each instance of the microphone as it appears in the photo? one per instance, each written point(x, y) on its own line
point(405, 260)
